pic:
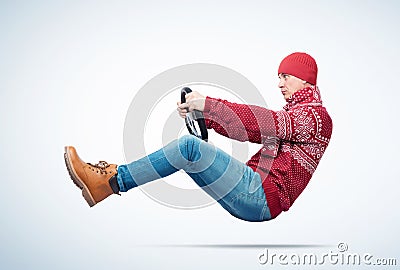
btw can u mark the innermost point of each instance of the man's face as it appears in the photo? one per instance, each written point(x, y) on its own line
point(290, 84)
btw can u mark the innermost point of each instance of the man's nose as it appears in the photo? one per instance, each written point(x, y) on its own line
point(281, 82)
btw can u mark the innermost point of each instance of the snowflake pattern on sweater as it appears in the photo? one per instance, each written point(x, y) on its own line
point(293, 141)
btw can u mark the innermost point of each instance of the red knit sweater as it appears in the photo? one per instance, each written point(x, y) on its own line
point(294, 140)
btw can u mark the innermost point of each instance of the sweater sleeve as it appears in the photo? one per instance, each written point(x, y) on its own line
point(239, 121)
point(256, 124)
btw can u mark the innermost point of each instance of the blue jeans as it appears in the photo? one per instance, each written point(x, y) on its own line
point(234, 185)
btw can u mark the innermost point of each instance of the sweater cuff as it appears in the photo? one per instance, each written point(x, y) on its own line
point(208, 104)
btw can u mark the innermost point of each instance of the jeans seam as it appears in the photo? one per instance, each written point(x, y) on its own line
point(121, 183)
point(263, 211)
point(234, 210)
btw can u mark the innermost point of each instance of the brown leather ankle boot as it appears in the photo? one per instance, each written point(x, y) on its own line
point(93, 180)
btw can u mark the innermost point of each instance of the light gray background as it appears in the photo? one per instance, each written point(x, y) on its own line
point(69, 70)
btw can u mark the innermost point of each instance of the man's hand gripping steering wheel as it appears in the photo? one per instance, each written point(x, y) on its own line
point(191, 108)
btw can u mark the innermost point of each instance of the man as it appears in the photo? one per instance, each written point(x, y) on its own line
point(293, 142)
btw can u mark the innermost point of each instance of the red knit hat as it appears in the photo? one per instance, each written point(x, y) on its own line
point(301, 65)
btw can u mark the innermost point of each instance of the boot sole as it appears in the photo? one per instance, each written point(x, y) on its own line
point(77, 181)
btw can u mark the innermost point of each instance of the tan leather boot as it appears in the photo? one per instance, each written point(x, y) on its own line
point(93, 180)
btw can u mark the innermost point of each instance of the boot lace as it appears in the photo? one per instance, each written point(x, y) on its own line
point(101, 165)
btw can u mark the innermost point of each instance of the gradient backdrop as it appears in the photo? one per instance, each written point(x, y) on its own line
point(69, 70)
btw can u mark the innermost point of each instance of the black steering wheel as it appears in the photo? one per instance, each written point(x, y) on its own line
point(191, 117)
